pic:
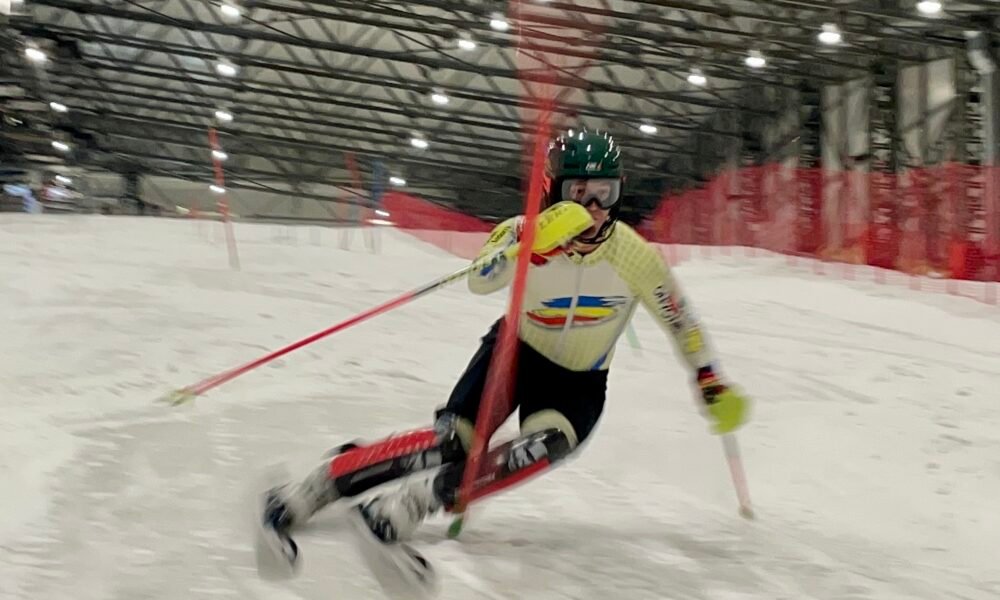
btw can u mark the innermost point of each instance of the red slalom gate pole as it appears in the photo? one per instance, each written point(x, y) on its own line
point(502, 370)
point(220, 180)
point(188, 393)
point(503, 366)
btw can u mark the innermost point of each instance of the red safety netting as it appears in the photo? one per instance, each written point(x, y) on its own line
point(935, 225)
point(935, 228)
point(455, 232)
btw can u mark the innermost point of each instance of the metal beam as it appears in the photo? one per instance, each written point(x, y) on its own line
point(688, 122)
point(343, 74)
point(636, 146)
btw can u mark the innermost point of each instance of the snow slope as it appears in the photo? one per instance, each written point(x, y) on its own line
point(873, 456)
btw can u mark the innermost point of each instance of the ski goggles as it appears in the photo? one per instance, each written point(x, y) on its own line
point(604, 190)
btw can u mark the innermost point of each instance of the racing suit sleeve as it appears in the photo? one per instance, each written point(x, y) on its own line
point(653, 282)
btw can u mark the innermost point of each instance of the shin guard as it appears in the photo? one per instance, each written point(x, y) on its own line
point(366, 466)
point(505, 466)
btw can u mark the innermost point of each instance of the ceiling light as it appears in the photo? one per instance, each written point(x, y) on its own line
point(219, 155)
point(230, 10)
point(465, 44)
point(647, 128)
point(439, 98)
point(224, 115)
point(64, 180)
point(225, 69)
point(755, 60)
point(217, 189)
point(929, 7)
point(696, 78)
point(60, 146)
point(417, 142)
point(830, 34)
point(35, 54)
point(396, 181)
point(58, 106)
point(499, 23)
point(381, 213)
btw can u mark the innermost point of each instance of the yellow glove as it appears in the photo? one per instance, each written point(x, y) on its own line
point(726, 406)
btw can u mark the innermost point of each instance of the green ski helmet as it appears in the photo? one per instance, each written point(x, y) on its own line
point(583, 154)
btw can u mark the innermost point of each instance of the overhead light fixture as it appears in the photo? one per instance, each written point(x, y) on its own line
point(224, 115)
point(418, 142)
point(396, 181)
point(217, 189)
point(755, 60)
point(219, 155)
point(830, 34)
point(498, 22)
point(439, 98)
point(230, 10)
point(466, 44)
point(929, 7)
point(60, 146)
point(381, 213)
point(226, 69)
point(35, 55)
point(58, 107)
point(64, 180)
point(648, 128)
point(697, 78)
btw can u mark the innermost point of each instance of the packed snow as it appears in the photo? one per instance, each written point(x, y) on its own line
point(873, 453)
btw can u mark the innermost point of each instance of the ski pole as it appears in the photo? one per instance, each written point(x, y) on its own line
point(186, 394)
point(562, 222)
point(732, 450)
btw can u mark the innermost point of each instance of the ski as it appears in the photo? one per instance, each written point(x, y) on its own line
point(399, 569)
point(276, 553)
point(402, 571)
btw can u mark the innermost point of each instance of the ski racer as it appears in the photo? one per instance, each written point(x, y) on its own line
point(579, 296)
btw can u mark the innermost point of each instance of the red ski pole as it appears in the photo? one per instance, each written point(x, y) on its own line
point(188, 393)
point(564, 221)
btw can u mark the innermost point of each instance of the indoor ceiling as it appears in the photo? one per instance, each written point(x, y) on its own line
point(322, 91)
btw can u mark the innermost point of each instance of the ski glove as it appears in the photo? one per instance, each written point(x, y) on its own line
point(726, 406)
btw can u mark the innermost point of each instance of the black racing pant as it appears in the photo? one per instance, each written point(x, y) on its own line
point(540, 384)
